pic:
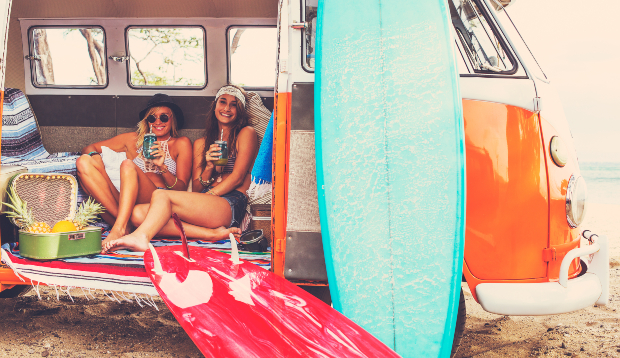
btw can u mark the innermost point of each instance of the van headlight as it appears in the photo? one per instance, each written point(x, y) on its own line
point(576, 195)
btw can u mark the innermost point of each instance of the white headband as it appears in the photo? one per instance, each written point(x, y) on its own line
point(233, 91)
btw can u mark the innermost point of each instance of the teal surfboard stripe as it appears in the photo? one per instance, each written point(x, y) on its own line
point(391, 169)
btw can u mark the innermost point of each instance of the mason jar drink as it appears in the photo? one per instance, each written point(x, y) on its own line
point(149, 140)
point(223, 152)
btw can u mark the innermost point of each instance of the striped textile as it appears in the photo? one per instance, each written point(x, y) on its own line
point(120, 271)
point(258, 113)
point(259, 119)
point(21, 140)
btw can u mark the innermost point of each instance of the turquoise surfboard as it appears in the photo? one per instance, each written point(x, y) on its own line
point(391, 169)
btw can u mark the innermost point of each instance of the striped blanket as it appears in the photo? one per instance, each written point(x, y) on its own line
point(21, 140)
point(121, 271)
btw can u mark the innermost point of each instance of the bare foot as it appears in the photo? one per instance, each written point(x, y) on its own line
point(221, 233)
point(134, 242)
point(115, 234)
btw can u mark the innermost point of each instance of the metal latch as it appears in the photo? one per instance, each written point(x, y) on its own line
point(299, 25)
point(77, 236)
point(119, 58)
point(33, 57)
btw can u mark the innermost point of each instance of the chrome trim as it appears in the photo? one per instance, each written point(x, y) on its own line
point(569, 200)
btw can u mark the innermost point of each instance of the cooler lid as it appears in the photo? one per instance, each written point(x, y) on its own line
point(52, 197)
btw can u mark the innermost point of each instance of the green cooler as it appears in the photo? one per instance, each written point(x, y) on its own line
point(52, 198)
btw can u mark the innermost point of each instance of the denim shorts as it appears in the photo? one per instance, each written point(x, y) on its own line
point(237, 201)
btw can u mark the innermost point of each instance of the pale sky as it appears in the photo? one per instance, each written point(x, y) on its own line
point(577, 45)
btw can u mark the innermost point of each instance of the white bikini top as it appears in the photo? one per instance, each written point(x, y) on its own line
point(147, 166)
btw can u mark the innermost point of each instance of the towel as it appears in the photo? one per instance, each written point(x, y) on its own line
point(112, 162)
point(261, 172)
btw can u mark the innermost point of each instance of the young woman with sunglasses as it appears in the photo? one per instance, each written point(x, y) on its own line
point(217, 205)
point(139, 177)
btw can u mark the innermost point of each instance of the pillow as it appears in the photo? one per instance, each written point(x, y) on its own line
point(258, 113)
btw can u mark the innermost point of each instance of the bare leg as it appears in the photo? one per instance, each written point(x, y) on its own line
point(135, 187)
point(97, 184)
point(191, 231)
point(194, 208)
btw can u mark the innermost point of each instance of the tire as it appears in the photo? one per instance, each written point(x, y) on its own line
point(18, 290)
point(459, 329)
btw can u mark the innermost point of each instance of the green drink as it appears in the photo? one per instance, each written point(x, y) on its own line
point(223, 153)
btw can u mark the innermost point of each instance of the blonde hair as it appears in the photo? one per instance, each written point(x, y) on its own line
point(143, 126)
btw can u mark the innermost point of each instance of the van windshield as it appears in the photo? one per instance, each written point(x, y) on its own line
point(481, 46)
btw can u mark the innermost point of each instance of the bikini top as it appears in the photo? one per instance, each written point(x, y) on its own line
point(228, 168)
point(147, 165)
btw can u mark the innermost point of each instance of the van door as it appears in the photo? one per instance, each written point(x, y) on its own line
point(507, 219)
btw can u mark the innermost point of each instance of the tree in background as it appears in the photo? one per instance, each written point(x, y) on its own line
point(44, 68)
point(171, 48)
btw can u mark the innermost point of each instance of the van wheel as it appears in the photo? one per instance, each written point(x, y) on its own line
point(18, 290)
point(459, 329)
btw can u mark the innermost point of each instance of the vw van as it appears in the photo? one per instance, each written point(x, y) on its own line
point(87, 66)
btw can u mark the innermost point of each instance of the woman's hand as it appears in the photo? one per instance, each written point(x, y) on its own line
point(158, 152)
point(213, 154)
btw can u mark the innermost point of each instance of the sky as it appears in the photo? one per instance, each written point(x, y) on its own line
point(577, 45)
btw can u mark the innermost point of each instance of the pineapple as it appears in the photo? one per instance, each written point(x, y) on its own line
point(22, 216)
point(86, 213)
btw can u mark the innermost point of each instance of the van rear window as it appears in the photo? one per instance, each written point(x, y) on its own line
point(68, 57)
point(252, 54)
point(167, 57)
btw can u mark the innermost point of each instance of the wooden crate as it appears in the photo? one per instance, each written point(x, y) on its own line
point(261, 219)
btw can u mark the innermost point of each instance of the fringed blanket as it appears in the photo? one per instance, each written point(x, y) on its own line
point(121, 271)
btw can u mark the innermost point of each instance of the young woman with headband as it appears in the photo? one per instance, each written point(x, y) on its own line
point(217, 204)
point(139, 177)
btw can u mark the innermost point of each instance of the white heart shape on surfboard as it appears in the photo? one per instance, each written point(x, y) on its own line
point(195, 290)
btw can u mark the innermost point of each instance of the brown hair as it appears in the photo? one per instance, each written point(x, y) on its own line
point(212, 131)
point(143, 126)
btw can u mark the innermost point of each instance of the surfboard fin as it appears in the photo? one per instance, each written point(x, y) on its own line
point(234, 252)
point(156, 264)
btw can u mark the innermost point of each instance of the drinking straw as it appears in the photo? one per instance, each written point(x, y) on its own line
point(222, 135)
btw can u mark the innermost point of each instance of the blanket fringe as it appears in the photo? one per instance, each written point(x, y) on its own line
point(147, 299)
point(258, 188)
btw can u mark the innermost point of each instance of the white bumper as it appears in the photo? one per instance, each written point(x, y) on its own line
point(535, 299)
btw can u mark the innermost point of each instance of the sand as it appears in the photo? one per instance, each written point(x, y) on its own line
point(101, 328)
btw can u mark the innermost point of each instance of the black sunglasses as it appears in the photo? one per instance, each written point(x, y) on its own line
point(162, 117)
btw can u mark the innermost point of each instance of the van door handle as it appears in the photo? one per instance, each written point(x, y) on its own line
point(119, 58)
point(299, 25)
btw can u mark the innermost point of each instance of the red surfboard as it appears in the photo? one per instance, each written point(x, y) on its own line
point(241, 310)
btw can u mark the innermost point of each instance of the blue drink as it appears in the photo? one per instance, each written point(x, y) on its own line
point(149, 139)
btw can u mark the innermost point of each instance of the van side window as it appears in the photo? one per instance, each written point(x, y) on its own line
point(167, 57)
point(252, 54)
point(479, 42)
point(68, 57)
point(309, 34)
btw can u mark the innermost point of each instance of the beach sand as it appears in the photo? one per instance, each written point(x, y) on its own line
point(101, 328)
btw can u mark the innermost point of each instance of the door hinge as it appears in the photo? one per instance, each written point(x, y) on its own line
point(280, 245)
point(537, 104)
point(33, 57)
point(550, 254)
